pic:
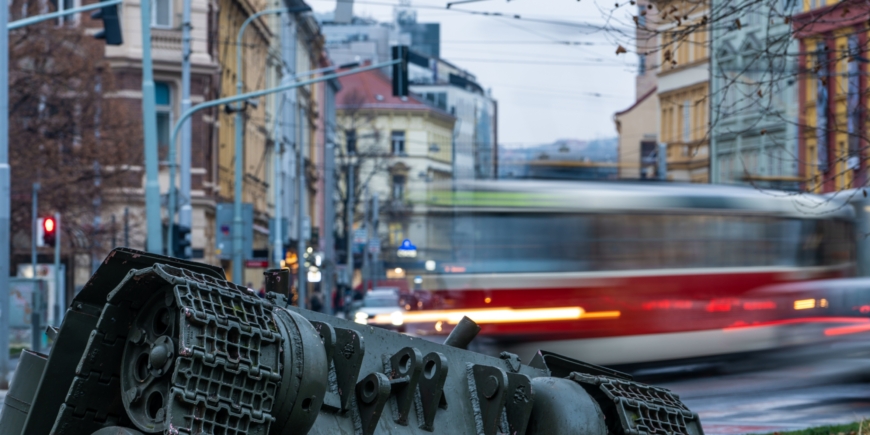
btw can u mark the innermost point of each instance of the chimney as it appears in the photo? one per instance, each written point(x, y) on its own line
point(343, 11)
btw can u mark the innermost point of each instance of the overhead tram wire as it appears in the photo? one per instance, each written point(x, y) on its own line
point(485, 14)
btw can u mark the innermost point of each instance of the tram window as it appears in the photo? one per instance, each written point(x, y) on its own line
point(486, 243)
point(535, 242)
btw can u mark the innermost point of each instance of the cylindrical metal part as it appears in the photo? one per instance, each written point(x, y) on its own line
point(278, 281)
point(563, 406)
point(463, 333)
point(17, 403)
point(117, 430)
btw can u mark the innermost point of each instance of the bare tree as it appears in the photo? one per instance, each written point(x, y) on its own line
point(357, 127)
point(66, 131)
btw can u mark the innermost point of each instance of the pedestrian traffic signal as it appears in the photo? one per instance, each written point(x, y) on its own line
point(181, 242)
point(111, 25)
point(48, 232)
point(400, 71)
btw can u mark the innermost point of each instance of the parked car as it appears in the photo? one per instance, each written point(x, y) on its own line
point(380, 307)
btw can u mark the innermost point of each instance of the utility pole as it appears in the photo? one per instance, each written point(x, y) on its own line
point(348, 229)
point(60, 293)
point(328, 238)
point(374, 265)
point(288, 131)
point(288, 110)
point(185, 218)
point(5, 192)
point(277, 229)
point(662, 160)
point(301, 237)
point(96, 260)
point(149, 124)
point(34, 230)
point(366, 273)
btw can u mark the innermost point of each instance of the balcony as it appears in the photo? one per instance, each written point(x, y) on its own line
point(166, 40)
point(397, 209)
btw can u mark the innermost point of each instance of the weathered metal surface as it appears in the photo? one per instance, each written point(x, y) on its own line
point(633, 408)
point(21, 392)
point(562, 408)
point(170, 347)
point(462, 335)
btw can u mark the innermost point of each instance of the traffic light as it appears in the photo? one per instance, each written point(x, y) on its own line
point(181, 242)
point(47, 232)
point(111, 25)
point(400, 71)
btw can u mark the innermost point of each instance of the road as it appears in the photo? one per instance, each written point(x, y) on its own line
point(788, 391)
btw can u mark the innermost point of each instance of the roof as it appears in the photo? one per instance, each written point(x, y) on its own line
point(639, 100)
point(374, 90)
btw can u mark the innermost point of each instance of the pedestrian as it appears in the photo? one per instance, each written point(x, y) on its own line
point(316, 301)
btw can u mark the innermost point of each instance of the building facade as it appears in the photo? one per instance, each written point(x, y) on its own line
point(683, 79)
point(832, 93)
point(449, 88)
point(399, 147)
point(637, 127)
point(753, 97)
point(126, 63)
point(442, 83)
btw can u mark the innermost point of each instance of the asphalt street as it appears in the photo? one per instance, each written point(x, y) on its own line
point(786, 391)
point(771, 393)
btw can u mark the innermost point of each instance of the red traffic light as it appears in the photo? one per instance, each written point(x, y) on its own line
point(48, 225)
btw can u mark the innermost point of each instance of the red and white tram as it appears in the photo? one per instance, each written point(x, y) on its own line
point(616, 273)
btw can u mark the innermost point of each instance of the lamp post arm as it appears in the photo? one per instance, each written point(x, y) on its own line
point(256, 94)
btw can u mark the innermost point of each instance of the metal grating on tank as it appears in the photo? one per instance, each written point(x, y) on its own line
point(229, 371)
point(639, 409)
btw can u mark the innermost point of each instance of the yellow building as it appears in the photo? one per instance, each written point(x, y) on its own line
point(262, 67)
point(683, 78)
point(402, 146)
point(833, 40)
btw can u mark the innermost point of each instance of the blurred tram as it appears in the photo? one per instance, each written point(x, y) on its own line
point(618, 273)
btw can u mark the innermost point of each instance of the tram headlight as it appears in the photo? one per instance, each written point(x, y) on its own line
point(361, 318)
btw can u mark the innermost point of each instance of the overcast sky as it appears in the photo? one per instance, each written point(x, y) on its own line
point(546, 90)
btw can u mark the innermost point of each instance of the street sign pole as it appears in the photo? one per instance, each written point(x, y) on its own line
point(348, 226)
point(60, 294)
point(149, 125)
point(185, 215)
point(33, 229)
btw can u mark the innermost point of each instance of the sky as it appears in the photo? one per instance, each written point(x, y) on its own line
point(546, 89)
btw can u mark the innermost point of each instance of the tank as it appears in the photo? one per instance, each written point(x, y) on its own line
point(157, 345)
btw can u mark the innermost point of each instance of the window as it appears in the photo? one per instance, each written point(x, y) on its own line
point(161, 13)
point(397, 140)
point(641, 64)
point(63, 5)
point(350, 137)
point(853, 102)
point(164, 113)
point(822, 107)
point(687, 121)
point(399, 187)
